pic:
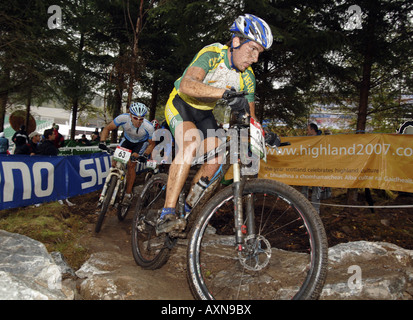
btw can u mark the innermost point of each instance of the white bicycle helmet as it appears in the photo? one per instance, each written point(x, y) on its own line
point(253, 28)
point(138, 109)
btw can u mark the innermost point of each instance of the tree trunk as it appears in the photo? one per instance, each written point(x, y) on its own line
point(75, 104)
point(4, 94)
point(364, 92)
point(154, 98)
point(74, 119)
point(28, 104)
point(133, 73)
point(3, 103)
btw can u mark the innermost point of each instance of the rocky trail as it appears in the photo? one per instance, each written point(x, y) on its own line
point(117, 276)
point(370, 258)
point(386, 270)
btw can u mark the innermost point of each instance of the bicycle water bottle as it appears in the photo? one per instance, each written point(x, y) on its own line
point(196, 191)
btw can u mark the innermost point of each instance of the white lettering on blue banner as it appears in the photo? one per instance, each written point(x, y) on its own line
point(26, 180)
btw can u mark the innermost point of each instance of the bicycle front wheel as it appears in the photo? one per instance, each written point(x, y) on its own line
point(106, 203)
point(285, 257)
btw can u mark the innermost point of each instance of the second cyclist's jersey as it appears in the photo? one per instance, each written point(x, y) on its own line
point(130, 132)
point(214, 60)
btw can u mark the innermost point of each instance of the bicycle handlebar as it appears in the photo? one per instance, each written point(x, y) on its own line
point(111, 151)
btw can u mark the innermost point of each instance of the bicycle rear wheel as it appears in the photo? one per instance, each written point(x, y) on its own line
point(286, 257)
point(106, 202)
point(149, 250)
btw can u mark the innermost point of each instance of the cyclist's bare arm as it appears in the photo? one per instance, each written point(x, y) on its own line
point(105, 132)
point(192, 85)
point(150, 147)
point(252, 110)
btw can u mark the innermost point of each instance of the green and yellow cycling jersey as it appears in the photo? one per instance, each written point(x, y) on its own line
point(214, 60)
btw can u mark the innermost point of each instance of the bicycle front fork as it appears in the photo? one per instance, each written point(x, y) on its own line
point(242, 230)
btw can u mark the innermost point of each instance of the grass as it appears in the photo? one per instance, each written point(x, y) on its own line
point(53, 225)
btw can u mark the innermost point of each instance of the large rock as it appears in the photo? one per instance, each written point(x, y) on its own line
point(28, 272)
point(114, 275)
point(369, 271)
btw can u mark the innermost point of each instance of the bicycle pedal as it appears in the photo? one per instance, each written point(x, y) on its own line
point(176, 225)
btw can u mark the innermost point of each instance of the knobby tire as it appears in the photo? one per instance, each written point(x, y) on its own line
point(106, 202)
point(122, 209)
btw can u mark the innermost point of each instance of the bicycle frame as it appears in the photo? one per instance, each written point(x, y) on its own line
point(237, 185)
point(119, 172)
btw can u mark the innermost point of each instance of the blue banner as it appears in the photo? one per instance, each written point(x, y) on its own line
point(27, 180)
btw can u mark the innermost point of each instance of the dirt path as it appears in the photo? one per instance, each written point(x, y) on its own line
point(112, 245)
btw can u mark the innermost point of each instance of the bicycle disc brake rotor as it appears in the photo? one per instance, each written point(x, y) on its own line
point(256, 254)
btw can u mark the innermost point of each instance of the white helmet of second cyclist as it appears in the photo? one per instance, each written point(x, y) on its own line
point(253, 28)
point(138, 109)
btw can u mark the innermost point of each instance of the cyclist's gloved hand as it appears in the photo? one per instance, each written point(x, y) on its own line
point(143, 158)
point(236, 100)
point(102, 146)
point(272, 139)
point(229, 94)
point(239, 104)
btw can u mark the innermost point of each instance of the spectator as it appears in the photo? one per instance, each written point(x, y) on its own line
point(47, 147)
point(20, 137)
point(31, 147)
point(4, 144)
point(312, 130)
point(58, 140)
point(85, 141)
point(95, 135)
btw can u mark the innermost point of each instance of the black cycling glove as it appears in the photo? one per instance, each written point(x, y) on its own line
point(236, 100)
point(229, 94)
point(143, 158)
point(102, 146)
point(239, 103)
point(272, 139)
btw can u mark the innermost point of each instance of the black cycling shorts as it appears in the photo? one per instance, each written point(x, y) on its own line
point(182, 111)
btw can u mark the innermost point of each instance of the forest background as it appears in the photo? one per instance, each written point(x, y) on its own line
point(354, 56)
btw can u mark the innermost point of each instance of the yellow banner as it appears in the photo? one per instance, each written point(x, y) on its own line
point(379, 161)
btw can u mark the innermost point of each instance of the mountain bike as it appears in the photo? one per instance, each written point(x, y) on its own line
point(253, 239)
point(113, 190)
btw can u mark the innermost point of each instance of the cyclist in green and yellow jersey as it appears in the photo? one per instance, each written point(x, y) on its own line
point(213, 73)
